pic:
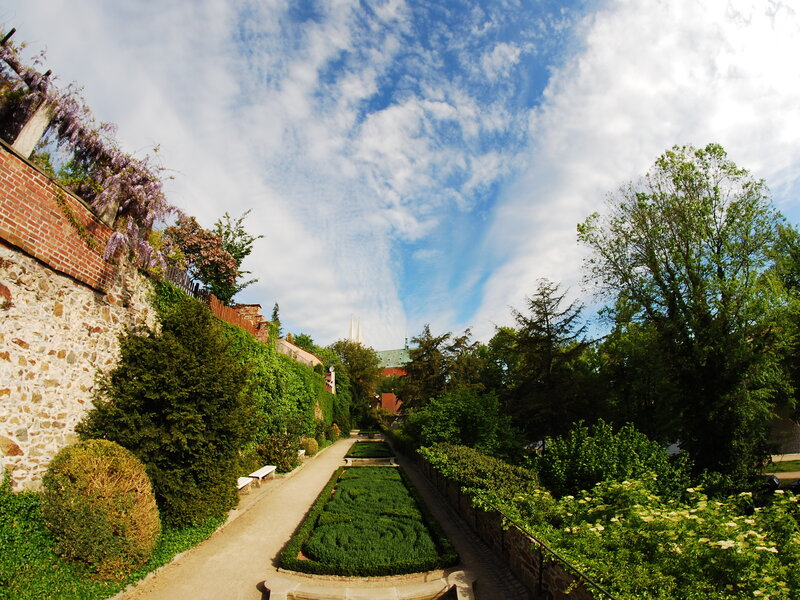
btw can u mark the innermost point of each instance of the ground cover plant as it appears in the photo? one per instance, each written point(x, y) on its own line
point(783, 467)
point(31, 568)
point(640, 545)
point(368, 521)
point(369, 450)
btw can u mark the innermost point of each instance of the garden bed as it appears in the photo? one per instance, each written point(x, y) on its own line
point(370, 450)
point(368, 521)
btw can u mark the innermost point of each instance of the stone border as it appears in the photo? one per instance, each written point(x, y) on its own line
point(419, 586)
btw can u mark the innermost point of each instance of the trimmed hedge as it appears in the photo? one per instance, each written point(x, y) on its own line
point(369, 450)
point(357, 516)
point(99, 505)
point(470, 468)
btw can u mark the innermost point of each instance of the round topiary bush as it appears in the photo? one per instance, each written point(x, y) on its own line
point(310, 445)
point(99, 505)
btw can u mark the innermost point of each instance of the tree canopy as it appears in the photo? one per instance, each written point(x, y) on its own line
point(690, 248)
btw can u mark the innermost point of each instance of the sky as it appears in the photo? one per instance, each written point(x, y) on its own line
point(423, 162)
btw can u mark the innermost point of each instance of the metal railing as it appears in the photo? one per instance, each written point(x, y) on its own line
point(181, 279)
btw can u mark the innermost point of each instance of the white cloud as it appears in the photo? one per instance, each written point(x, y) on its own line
point(255, 111)
point(499, 60)
point(648, 75)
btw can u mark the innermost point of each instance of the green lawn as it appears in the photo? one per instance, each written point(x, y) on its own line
point(783, 467)
point(369, 450)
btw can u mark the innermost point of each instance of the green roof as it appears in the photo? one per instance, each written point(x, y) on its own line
point(393, 358)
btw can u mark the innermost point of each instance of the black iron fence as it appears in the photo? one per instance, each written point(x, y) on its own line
point(181, 278)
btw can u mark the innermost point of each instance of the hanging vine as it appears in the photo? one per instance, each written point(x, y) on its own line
point(133, 185)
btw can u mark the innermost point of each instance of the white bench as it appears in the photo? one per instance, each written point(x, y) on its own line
point(243, 482)
point(301, 453)
point(260, 474)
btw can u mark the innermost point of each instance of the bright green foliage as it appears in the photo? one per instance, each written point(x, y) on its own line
point(690, 248)
point(285, 395)
point(462, 416)
point(31, 569)
point(282, 391)
point(638, 387)
point(639, 545)
point(470, 468)
point(440, 364)
point(369, 450)
point(280, 450)
point(176, 400)
point(362, 373)
point(306, 342)
point(374, 524)
point(99, 506)
point(239, 244)
point(588, 455)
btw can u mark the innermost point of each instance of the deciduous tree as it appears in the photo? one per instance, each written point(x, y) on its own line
point(363, 368)
point(691, 246)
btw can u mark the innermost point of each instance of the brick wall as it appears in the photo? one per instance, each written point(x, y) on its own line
point(32, 220)
point(230, 315)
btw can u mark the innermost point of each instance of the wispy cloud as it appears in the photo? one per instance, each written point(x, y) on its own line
point(413, 162)
point(646, 76)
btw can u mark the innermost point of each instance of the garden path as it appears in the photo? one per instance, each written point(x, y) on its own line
point(235, 562)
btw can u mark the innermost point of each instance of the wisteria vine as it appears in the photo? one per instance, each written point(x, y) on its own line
point(131, 184)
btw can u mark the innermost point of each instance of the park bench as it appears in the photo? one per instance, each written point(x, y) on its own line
point(260, 474)
point(301, 453)
point(243, 482)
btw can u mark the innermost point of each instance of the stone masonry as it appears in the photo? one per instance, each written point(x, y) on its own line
point(56, 335)
point(62, 308)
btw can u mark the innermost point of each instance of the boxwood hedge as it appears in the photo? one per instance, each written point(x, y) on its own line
point(369, 450)
point(368, 521)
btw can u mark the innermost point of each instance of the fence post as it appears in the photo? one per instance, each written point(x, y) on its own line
point(33, 130)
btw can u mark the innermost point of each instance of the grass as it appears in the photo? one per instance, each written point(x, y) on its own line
point(30, 567)
point(783, 467)
point(368, 521)
point(369, 450)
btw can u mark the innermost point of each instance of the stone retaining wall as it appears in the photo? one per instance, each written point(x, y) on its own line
point(56, 335)
point(62, 308)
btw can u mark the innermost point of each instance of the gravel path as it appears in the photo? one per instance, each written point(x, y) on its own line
point(238, 560)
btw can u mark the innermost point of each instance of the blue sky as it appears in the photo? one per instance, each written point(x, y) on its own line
point(413, 162)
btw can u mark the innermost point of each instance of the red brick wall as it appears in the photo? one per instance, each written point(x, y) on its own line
point(399, 371)
point(32, 220)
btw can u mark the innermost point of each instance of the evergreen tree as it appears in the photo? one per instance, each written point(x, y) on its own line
point(176, 401)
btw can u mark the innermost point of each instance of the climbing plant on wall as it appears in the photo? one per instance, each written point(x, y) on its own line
point(118, 181)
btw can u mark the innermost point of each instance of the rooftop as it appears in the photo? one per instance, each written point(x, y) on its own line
point(393, 358)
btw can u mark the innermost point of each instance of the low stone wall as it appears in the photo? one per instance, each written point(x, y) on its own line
point(56, 334)
point(517, 549)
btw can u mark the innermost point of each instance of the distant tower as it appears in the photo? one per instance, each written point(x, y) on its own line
point(355, 330)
